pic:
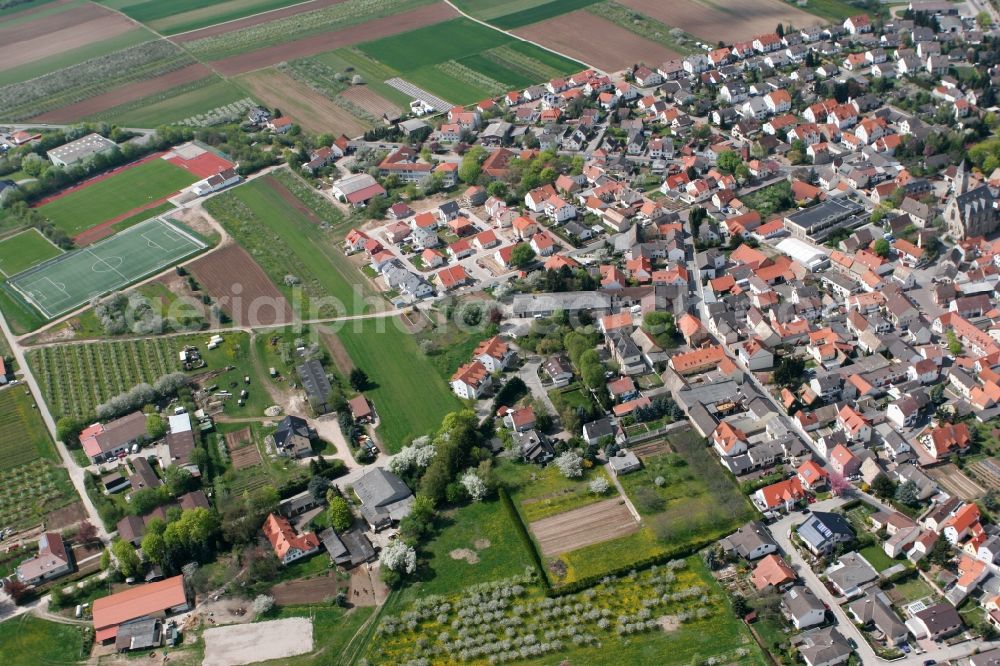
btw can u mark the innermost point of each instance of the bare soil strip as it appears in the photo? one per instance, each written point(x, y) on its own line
point(123, 95)
point(327, 41)
point(612, 47)
point(47, 25)
point(581, 527)
point(728, 21)
point(13, 54)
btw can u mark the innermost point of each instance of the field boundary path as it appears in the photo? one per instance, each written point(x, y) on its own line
point(520, 38)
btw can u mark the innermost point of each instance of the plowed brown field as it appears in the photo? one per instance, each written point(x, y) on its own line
point(256, 301)
point(726, 21)
point(595, 41)
point(581, 527)
point(327, 41)
point(123, 95)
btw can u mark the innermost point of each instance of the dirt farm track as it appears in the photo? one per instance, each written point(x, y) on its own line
point(581, 527)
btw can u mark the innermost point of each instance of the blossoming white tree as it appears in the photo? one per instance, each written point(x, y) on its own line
point(399, 557)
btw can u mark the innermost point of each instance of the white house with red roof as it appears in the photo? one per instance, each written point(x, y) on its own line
point(780, 496)
point(729, 440)
point(471, 381)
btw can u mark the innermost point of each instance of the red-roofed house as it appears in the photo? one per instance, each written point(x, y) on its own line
point(811, 475)
point(945, 439)
point(471, 381)
point(844, 462)
point(773, 571)
point(162, 597)
point(855, 426)
point(960, 525)
point(780, 496)
point(729, 440)
point(289, 545)
point(453, 277)
point(698, 360)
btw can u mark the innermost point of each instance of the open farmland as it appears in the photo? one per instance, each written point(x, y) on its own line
point(23, 437)
point(410, 397)
point(256, 19)
point(50, 36)
point(280, 221)
point(258, 302)
point(32, 482)
point(144, 184)
point(75, 378)
point(448, 60)
point(369, 101)
point(362, 101)
point(311, 109)
point(91, 78)
point(509, 14)
point(46, 65)
point(176, 16)
point(729, 22)
point(616, 49)
point(20, 252)
point(373, 72)
point(290, 29)
point(173, 105)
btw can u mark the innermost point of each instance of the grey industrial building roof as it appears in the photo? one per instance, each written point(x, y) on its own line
point(81, 149)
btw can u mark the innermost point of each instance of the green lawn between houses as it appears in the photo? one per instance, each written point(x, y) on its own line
point(125, 190)
point(24, 250)
point(411, 398)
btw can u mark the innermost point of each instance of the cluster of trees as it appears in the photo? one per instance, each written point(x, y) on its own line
point(452, 468)
point(662, 328)
point(580, 347)
point(661, 405)
point(142, 394)
point(568, 279)
point(789, 372)
point(193, 537)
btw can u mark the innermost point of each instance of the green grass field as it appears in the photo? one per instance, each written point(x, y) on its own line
point(50, 64)
point(133, 220)
point(170, 18)
point(333, 629)
point(543, 492)
point(448, 60)
point(24, 250)
point(411, 398)
point(23, 437)
point(29, 641)
point(126, 190)
point(72, 279)
point(173, 105)
point(21, 317)
point(834, 11)
point(287, 240)
point(509, 14)
point(479, 523)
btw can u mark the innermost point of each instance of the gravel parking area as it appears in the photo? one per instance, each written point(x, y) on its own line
point(250, 643)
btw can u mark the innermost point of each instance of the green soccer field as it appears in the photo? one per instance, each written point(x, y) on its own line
point(122, 192)
point(69, 281)
point(21, 252)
